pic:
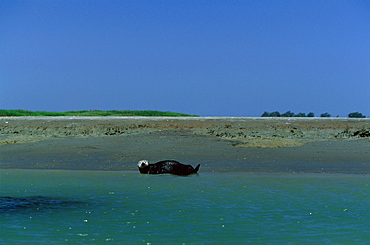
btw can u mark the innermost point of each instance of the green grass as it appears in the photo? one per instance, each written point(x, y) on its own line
point(146, 113)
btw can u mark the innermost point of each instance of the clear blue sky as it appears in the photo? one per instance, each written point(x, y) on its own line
point(210, 58)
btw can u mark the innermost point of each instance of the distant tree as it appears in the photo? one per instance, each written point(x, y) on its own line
point(288, 114)
point(301, 114)
point(275, 114)
point(271, 114)
point(356, 115)
point(325, 115)
point(311, 114)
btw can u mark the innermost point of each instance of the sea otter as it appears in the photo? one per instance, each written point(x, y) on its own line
point(166, 167)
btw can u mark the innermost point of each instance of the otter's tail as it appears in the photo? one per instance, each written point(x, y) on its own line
point(196, 168)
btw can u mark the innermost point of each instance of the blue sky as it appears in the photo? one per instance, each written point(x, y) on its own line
point(210, 58)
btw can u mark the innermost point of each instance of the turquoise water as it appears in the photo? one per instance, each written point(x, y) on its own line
point(82, 207)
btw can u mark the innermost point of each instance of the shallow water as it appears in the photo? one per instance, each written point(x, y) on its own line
point(85, 207)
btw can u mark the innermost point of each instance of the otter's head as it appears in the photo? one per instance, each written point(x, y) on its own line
point(143, 164)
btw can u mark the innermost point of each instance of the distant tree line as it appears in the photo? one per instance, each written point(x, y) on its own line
point(310, 114)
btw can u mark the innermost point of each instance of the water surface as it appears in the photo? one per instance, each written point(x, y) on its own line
point(87, 207)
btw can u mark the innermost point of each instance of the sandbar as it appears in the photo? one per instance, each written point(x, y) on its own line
point(317, 145)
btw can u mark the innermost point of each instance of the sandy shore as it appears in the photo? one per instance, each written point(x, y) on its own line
point(218, 144)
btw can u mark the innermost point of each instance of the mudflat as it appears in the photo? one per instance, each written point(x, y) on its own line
point(328, 145)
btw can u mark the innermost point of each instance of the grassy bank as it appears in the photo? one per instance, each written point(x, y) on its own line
point(145, 113)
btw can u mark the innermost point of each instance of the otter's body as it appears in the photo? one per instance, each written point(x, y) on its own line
point(166, 167)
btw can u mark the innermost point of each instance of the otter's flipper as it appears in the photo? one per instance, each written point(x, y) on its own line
point(196, 168)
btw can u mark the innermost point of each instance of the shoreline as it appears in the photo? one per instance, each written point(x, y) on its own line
point(317, 145)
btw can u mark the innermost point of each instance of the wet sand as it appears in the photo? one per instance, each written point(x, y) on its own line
point(329, 145)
